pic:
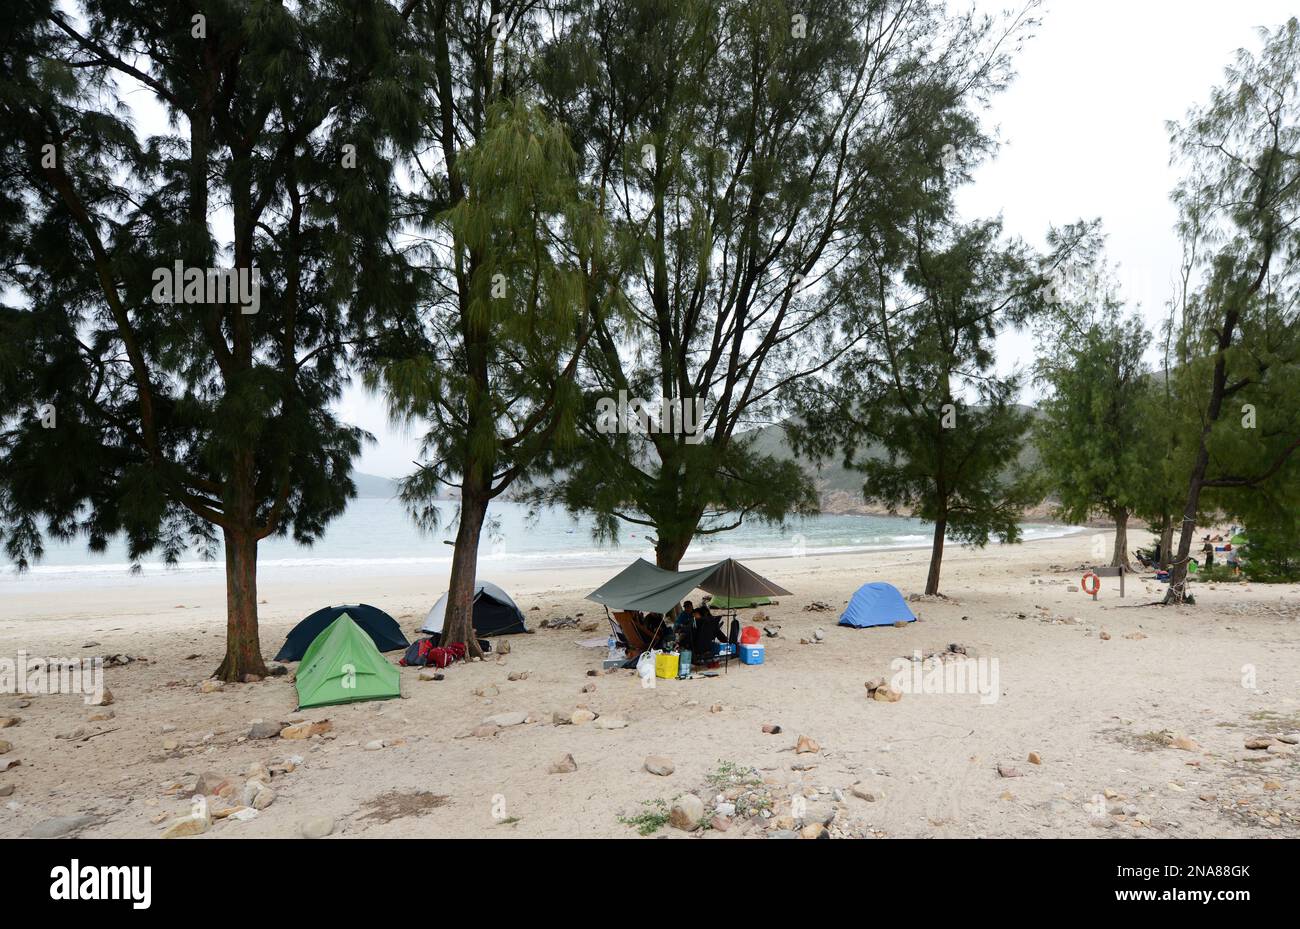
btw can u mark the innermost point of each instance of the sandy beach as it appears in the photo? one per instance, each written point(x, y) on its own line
point(1138, 716)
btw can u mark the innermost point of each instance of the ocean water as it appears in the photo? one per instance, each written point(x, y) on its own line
point(376, 535)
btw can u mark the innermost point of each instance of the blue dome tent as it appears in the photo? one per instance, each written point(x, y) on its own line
point(877, 604)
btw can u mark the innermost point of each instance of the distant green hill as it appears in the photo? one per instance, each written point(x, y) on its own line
point(840, 488)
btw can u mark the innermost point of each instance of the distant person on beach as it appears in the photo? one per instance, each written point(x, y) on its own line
point(1208, 551)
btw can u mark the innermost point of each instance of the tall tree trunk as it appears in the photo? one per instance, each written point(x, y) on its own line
point(243, 645)
point(1120, 556)
point(936, 555)
point(669, 552)
point(1166, 540)
point(458, 625)
point(1177, 592)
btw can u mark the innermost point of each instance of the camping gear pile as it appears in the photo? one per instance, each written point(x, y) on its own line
point(642, 598)
point(340, 647)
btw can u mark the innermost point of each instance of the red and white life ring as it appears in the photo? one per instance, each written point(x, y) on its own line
point(1096, 584)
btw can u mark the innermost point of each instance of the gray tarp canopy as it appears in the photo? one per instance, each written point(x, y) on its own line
point(650, 589)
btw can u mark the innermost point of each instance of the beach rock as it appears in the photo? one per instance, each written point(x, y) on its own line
point(806, 745)
point(484, 732)
point(7, 722)
point(1259, 744)
point(659, 764)
point(503, 647)
point(6, 790)
point(6, 747)
point(720, 823)
point(428, 675)
point(578, 717)
point(257, 772)
point(262, 797)
point(563, 765)
point(503, 720)
point(305, 730)
point(686, 813)
point(1105, 636)
point(212, 687)
point(263, 730)
point(867, 792)
point(611, 722)
point(194, 824)
point(210, 783)
point(59, 826)
point(886, 694)
point(1184, 743)
point(1035, 758)
point(819, 634)
point(814, 831)
point(517, 676)
point(375, 745)
point(782, 834)
point(100, 716)
point(243, 815)
point(491, 690)
point(1278, 748)
point(1008, 771)
point(316, 827)
point(560, 719)
point(771, 729)
point(588, 689)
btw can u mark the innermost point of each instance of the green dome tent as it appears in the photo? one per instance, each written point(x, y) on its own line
point(342, 665)
point(723, 602)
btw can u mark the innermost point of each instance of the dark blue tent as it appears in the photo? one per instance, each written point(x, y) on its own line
point(876, 604)
point(381, 627)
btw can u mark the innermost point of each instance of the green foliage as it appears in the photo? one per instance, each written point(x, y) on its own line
point(1235, 333)
point(175, 419)
point(926, 391)
point(739, 165)
point(1273, 553)
point(651, 819)
point(1095, 442)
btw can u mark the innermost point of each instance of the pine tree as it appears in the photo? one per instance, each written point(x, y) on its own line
point(1094, 440)
point(1237, 328)
point(183, 415)
point(921, 413)
point(503, 246)
point(742, 153)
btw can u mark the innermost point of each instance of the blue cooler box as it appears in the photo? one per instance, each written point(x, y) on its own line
point(752, 654)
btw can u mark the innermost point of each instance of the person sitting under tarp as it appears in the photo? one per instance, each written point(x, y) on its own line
point(708, 633)
point(640, 631)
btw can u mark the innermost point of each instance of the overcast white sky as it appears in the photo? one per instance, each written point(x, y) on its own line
point(1083, 131)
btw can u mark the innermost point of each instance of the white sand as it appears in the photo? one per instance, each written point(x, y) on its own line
point(1085, 704)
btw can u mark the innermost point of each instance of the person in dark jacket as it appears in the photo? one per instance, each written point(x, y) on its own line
point(708, 630)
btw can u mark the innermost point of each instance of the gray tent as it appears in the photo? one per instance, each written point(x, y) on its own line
point(649, 589)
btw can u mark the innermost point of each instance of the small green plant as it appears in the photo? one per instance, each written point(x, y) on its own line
point(730, 774)
point(650, 820)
